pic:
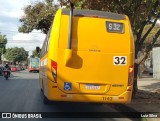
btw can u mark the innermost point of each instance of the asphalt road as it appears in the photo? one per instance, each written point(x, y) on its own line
point(21, 93)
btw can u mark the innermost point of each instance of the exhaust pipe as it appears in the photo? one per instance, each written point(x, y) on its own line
point(70, 26)
point(68, 51)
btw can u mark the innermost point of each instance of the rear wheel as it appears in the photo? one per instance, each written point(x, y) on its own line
point(45, 100)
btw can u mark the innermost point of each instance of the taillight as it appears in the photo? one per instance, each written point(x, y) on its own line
point(54, 70)
point(130, 75)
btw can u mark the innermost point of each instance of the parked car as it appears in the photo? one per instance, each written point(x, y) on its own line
point(13, 68)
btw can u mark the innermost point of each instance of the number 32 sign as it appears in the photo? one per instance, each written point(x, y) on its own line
point(120, 60)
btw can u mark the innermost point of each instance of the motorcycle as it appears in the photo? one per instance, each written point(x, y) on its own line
point(6, 74)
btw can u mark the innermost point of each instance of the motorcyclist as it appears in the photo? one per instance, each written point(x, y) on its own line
point(7, 67)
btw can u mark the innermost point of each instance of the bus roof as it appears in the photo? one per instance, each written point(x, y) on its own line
point(101, 14)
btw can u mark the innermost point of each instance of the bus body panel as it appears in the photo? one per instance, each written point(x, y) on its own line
point(58, 95)
point(53, 48)
point(92, 57)
point(43, 74)
point(92, 62)
point(87, 37)
point(81, 72)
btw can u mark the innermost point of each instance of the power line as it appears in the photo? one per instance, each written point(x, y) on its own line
point(26, 40)
point(19, 32)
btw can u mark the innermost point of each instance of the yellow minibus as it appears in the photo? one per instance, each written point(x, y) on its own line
point(88, 56)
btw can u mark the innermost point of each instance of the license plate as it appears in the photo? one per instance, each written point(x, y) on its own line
point(92, 87)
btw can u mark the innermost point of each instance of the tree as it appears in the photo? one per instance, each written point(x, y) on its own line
point(147, 43)
point(151, 34)
point(3, 42)
point(16, 54)
point(38, 15)
point(35, 54)
point(77, 3)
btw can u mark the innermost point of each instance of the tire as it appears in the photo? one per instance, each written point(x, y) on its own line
point(45, 100)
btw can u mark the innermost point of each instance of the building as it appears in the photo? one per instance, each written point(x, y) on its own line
point(3, 61)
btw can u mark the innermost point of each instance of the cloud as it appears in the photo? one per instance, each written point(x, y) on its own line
point(28, 41)
point(21, 36)
point(10, 12)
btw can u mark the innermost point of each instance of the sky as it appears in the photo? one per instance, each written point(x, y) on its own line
point(10, 12)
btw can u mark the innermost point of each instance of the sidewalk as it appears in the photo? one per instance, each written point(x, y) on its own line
point(148, 83)
point(148, 96)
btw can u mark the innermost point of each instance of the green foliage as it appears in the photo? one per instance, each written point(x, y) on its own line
point(35, 54)
point(3, 42)
point(16, 54)
point(77, 3)
point(38, 15)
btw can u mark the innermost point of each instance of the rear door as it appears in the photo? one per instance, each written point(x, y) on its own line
point(100, 57)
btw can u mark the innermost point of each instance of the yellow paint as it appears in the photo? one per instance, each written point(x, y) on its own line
point(89, 61)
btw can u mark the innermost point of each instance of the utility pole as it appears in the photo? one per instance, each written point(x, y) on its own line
point(2, 57)
point(1, 43)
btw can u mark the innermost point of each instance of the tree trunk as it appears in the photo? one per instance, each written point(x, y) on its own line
point(135, 86)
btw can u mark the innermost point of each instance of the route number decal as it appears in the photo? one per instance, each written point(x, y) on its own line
point(107, 98)
point(120, 60)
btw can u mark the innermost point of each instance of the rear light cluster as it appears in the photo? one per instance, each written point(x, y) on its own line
point(54, 70)
point(130, 75)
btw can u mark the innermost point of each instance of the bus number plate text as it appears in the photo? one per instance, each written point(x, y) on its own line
point(115, 27)
point(107, 98)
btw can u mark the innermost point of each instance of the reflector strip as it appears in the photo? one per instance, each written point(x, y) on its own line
point(54, 86)
point(63, 95)
point(121, 97)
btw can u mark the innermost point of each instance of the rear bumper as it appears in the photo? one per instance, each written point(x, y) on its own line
point(59, 96)
point(34, 69)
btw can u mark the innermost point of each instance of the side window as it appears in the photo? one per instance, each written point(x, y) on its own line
point(43, 49)
point(48, 39)
point(45, 44)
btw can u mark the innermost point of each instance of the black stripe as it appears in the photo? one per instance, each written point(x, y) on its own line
point(101, 14)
